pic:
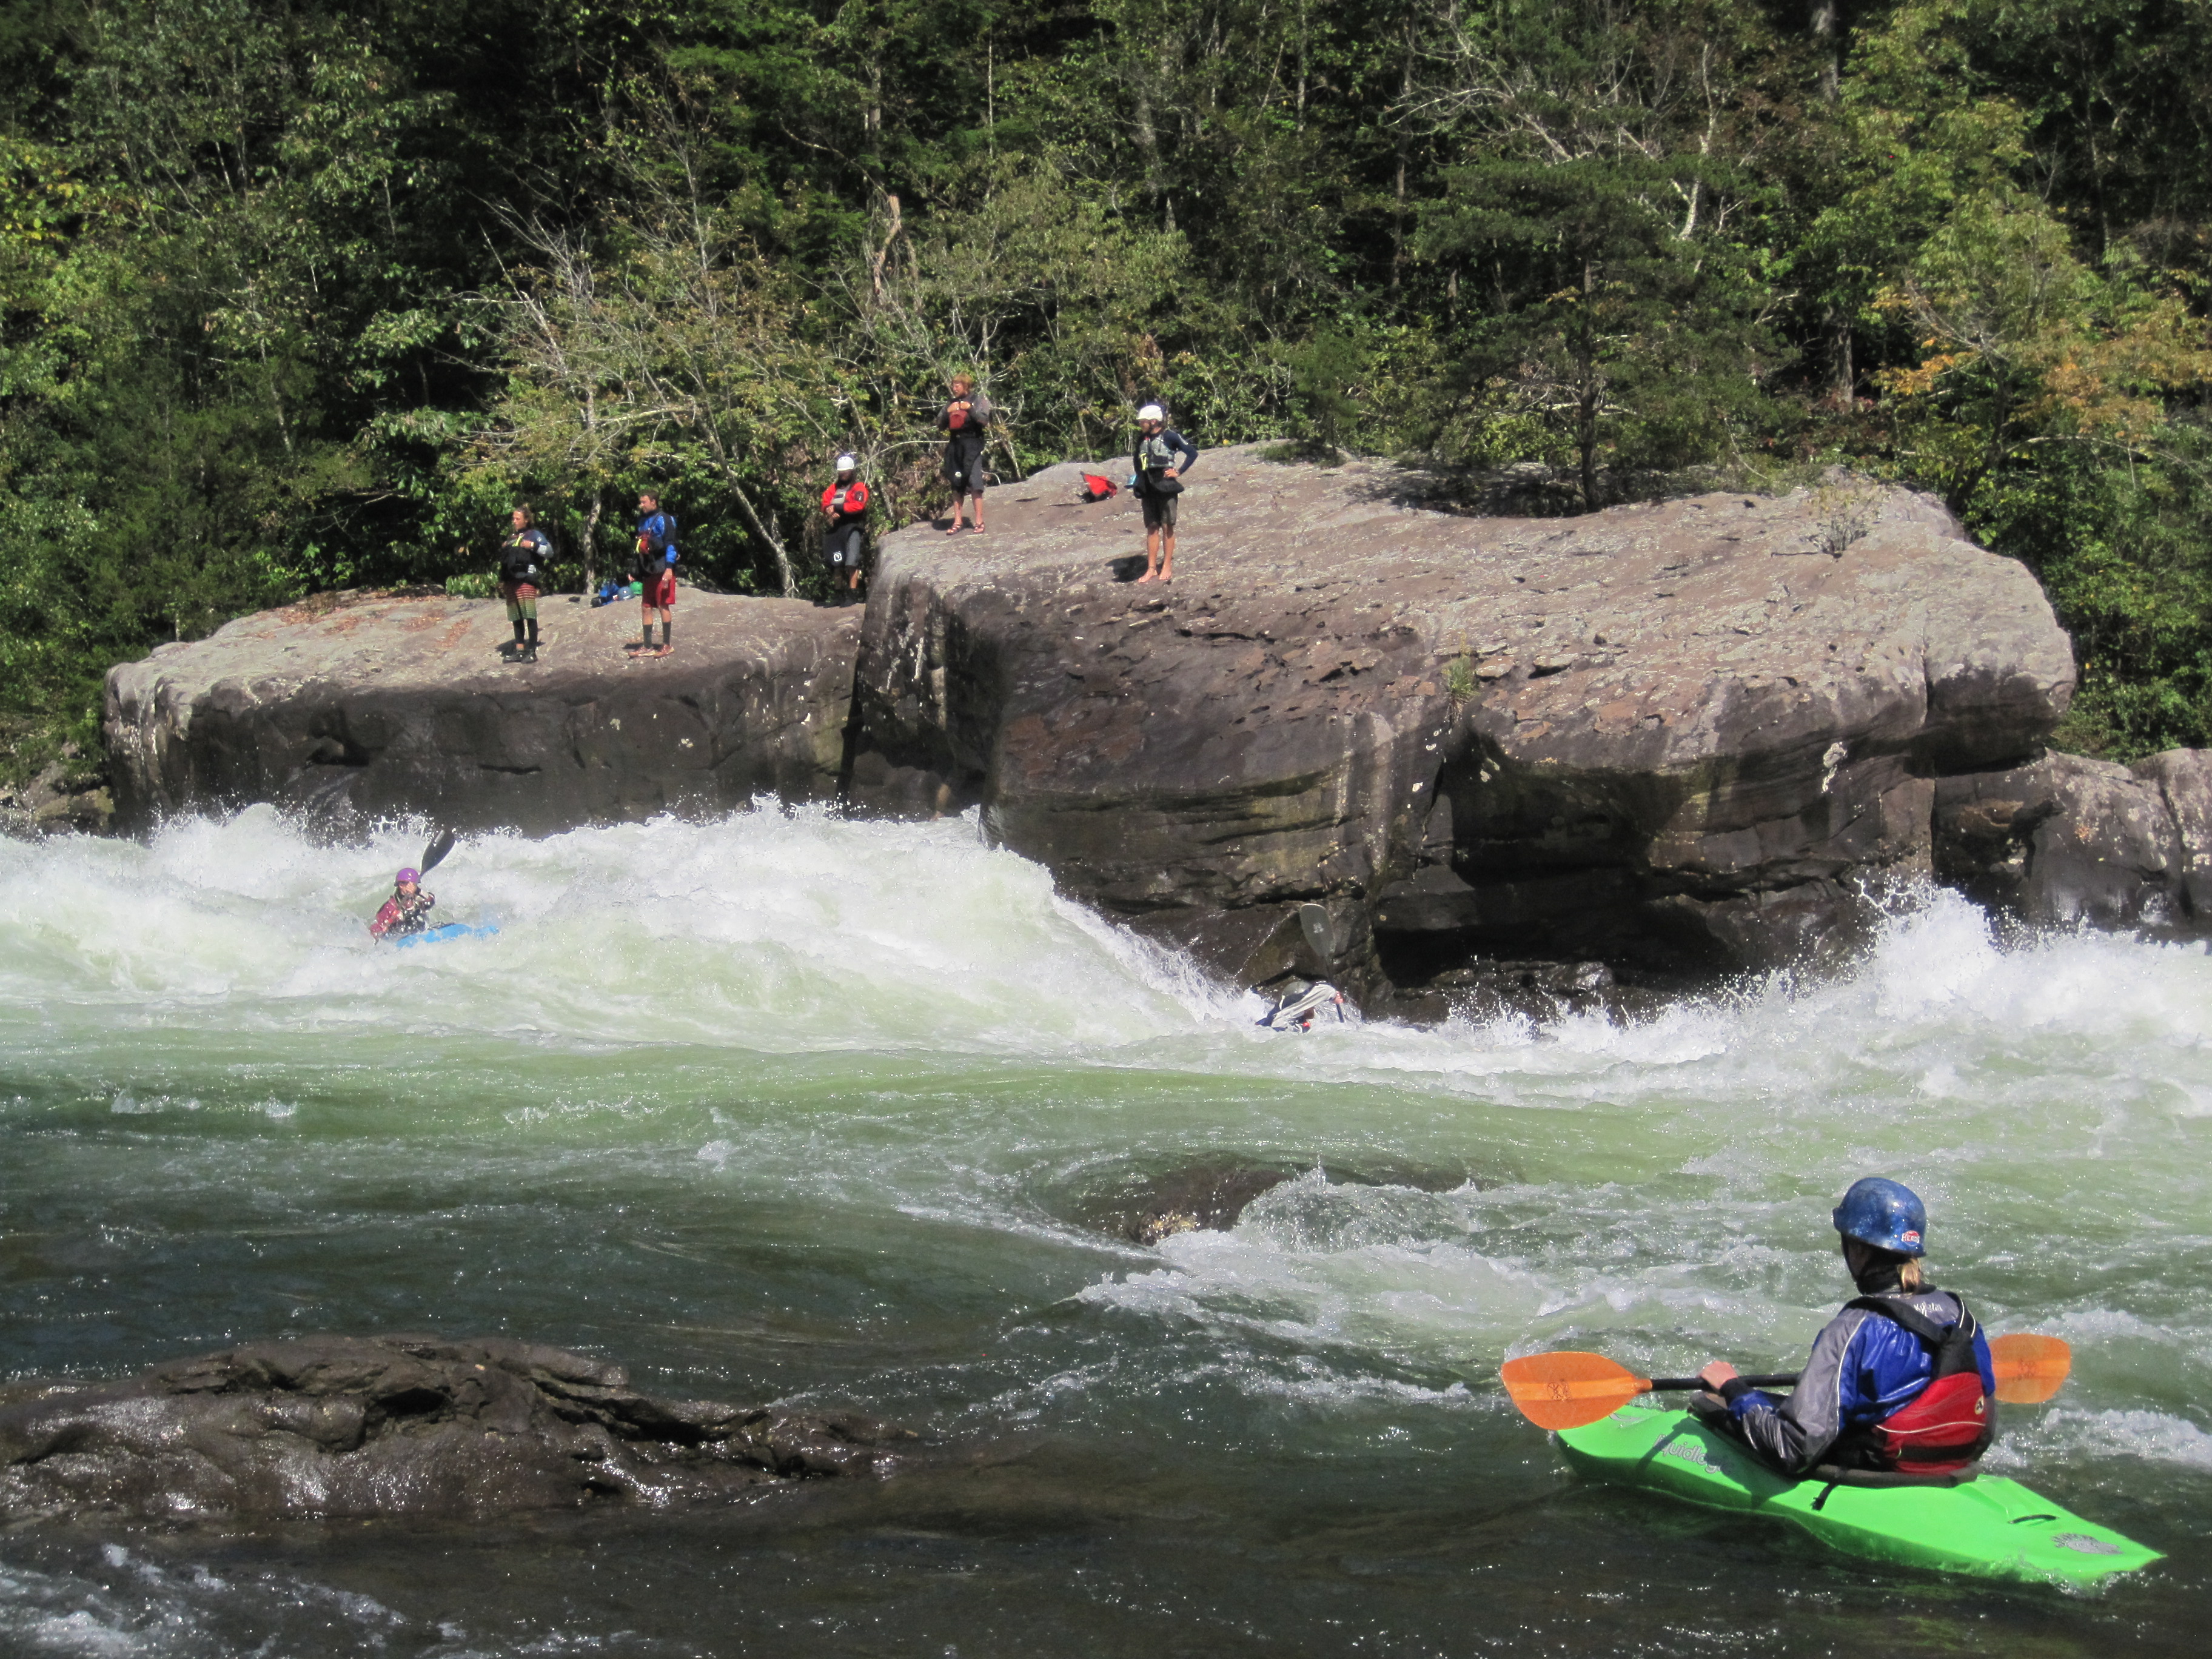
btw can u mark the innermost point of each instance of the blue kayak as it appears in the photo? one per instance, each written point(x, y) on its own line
point(440, 935)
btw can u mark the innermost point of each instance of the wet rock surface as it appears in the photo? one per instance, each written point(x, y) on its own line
point(373, 705)
point(419, 1426)
point(2069, 841)
point(69, 794)
point(1674, 737)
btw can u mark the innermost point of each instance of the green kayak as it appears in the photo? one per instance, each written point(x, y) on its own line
point(1987, 1526)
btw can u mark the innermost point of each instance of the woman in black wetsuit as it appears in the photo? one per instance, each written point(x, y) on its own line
point(963, 422)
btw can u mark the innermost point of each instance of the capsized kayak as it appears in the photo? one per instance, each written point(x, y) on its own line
point(440, 934)
point(1986, 1526)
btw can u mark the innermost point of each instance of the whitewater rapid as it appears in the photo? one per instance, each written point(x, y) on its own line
point(814, 1107)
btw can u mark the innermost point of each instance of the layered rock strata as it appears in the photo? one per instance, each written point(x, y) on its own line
point(420, 1426)
point(1681, 735)
point(381, 705)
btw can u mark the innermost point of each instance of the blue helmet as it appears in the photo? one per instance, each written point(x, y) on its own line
point(1886, 1214)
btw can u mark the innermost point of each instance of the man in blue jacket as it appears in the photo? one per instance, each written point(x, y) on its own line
point(655, 571)
point(1900, 1380)
point(1162, 456)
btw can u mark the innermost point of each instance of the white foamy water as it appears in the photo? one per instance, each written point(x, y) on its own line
point(795, 1105)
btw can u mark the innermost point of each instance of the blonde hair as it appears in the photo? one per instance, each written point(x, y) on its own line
point(1909, 1276)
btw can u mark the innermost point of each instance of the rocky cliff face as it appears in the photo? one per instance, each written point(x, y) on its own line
point(1677, 735)
point(1686, 737)
point(384, 706)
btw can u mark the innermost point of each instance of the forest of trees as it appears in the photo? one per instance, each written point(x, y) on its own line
point(296, 296)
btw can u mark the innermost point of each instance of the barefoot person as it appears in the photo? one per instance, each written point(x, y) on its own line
point(655, 571)
point(525, 564)
point(845, 503)
point(1900, 1380)
point(1162, 456)
point(964, 423)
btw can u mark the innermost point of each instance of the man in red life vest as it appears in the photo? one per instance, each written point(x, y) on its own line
point(845, 503)
point(1899, 1380)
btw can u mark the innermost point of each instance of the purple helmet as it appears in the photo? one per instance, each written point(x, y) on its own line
point(411, 873)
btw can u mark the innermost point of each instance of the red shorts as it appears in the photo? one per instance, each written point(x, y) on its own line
point(660, 592)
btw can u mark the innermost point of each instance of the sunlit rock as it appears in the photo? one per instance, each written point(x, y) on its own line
point(1674, 736)
point(366, 706)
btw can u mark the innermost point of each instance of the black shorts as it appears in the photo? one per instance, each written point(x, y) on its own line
point(844, 547)
point(1159, 511)
point(963, 466)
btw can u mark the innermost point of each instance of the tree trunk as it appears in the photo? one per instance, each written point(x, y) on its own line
point(592, 543)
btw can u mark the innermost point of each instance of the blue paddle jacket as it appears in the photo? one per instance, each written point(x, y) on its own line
point(1862, 1367)
point(656, 544)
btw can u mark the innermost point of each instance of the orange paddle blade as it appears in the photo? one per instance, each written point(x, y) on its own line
point(2029, 1368)
point(1566, 1390)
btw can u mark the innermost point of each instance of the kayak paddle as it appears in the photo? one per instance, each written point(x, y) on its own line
point(1568, 1389)
point(440, 844)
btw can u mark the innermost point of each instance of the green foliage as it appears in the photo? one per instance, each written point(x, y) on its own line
point(298, 296)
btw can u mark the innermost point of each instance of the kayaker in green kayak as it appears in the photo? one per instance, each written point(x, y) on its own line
point(1899, 1380)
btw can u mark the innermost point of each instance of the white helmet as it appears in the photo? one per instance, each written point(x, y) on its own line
point(1152, 412)
point(846, 463)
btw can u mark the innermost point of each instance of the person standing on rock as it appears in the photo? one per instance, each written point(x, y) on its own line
point(846, 503)
point(525, 565)
point(965, 421)
point(653, 567)
point(1163, 454)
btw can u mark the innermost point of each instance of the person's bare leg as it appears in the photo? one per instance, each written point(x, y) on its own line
point(1167, 556)
point(959, 507)
point(979, 513)
point(1151, 555)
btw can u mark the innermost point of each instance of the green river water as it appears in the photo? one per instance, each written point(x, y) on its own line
point(784, 1107)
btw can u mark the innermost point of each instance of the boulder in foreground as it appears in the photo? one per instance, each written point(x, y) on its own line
point(394, 1425)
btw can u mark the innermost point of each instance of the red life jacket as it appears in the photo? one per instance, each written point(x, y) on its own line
point(1948, 1424)
point(956, 414)
point(846, 501)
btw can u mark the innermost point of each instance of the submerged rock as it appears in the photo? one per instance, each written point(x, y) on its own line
point(358, 707)
point(1147, 1206)
point(394, 1425)
point(1677, 736)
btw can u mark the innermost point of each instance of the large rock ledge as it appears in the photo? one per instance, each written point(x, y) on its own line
point(334, 1427)
point(1676, 736)
point(388, 706)
point(1683, 738)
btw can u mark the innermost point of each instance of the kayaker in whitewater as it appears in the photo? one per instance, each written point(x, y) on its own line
point(1899, 1380)
point(407, 911)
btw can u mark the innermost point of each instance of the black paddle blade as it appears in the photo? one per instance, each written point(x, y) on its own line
point(440, 844)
